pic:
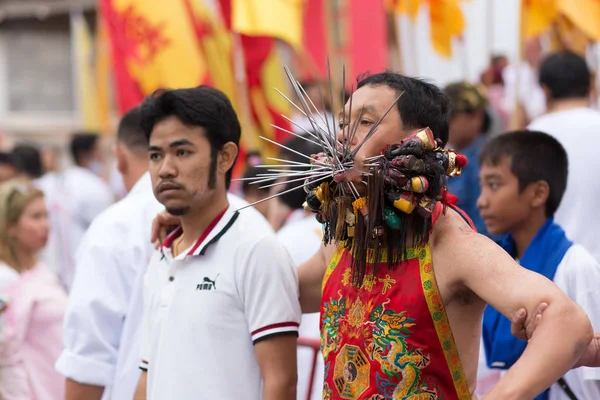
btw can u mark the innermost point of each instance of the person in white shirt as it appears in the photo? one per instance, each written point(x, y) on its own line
point(221, 295)
point(74, 198)
point(566, 80)
point(301, 234)
point(523, 177)
point(101, 332)
point(521, 86)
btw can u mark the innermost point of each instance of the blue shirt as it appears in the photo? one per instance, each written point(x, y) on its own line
point(466, 186)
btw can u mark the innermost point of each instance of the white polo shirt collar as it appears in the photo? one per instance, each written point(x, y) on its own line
point(213, 232)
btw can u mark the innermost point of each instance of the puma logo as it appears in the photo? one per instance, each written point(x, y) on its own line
point(208, 284)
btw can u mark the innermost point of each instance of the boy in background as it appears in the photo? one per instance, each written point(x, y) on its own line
point(523, 177)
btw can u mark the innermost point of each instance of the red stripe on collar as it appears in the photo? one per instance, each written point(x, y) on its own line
point(207, 232)
point(168, 242)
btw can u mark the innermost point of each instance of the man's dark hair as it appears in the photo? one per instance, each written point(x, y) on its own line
point(202, 106)
point(131, 134)
point(82, 144)
point(566, 75)
point(533, 157)
point(295, 199)
point(29, 160)
point(422, 105)
point(8, 159)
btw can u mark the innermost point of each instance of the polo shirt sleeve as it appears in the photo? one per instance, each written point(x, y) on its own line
point(98, 303)
point(268, 287)
point(149, 311)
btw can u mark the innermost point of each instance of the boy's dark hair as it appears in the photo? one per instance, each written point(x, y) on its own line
point(131, 134)
point(533, 156)
point(202, 106)
point(566, 75)
point(82, 143)
point(295, 199)
point(422, 105)
point(28, 159)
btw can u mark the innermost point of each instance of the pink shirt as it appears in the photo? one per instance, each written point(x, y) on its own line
point(31, 334)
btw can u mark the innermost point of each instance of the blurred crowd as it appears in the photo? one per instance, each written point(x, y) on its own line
point(516, 184)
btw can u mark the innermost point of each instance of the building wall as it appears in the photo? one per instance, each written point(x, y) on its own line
point(37, 102)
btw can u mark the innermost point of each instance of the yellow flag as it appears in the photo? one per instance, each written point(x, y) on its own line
point(161, 44)
point(408, 7)
point(564, 35)
point(277, 18)
point(216, 47)
point(447, 22)
point(584, 14)
point(537, 16)
point(84, 72)
point(103, 78)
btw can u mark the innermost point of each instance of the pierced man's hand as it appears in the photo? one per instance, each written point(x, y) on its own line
point(523, 330)
point(161, 226)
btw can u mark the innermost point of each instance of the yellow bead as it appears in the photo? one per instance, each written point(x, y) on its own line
point(405, 204)
point(417, 184)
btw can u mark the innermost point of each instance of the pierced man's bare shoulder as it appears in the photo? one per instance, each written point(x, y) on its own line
point(450, 227)
point(457, 249)
point(328, 251)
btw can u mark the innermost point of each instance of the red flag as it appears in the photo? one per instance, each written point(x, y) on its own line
point(157, 44)
point(315, 39)
point(369, 40)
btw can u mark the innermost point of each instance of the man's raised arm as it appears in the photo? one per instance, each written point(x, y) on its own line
point(563, 334)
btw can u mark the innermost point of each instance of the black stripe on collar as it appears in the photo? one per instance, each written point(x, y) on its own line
point(220, 234)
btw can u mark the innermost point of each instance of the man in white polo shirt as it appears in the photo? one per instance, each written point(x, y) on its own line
point(221, 295)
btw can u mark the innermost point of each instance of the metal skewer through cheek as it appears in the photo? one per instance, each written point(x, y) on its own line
point(339, 157)
point(321, 175)
point(277, 194)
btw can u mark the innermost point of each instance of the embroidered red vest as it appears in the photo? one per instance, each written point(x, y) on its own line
point(390, 338)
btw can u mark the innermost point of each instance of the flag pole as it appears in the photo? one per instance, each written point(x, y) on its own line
point(516, 120)
point(395, 29)
point(491, 35)
point(249, 138)
point(412, 32)
point(332, 18)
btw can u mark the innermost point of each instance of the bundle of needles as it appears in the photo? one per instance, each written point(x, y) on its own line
point(403, 185)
